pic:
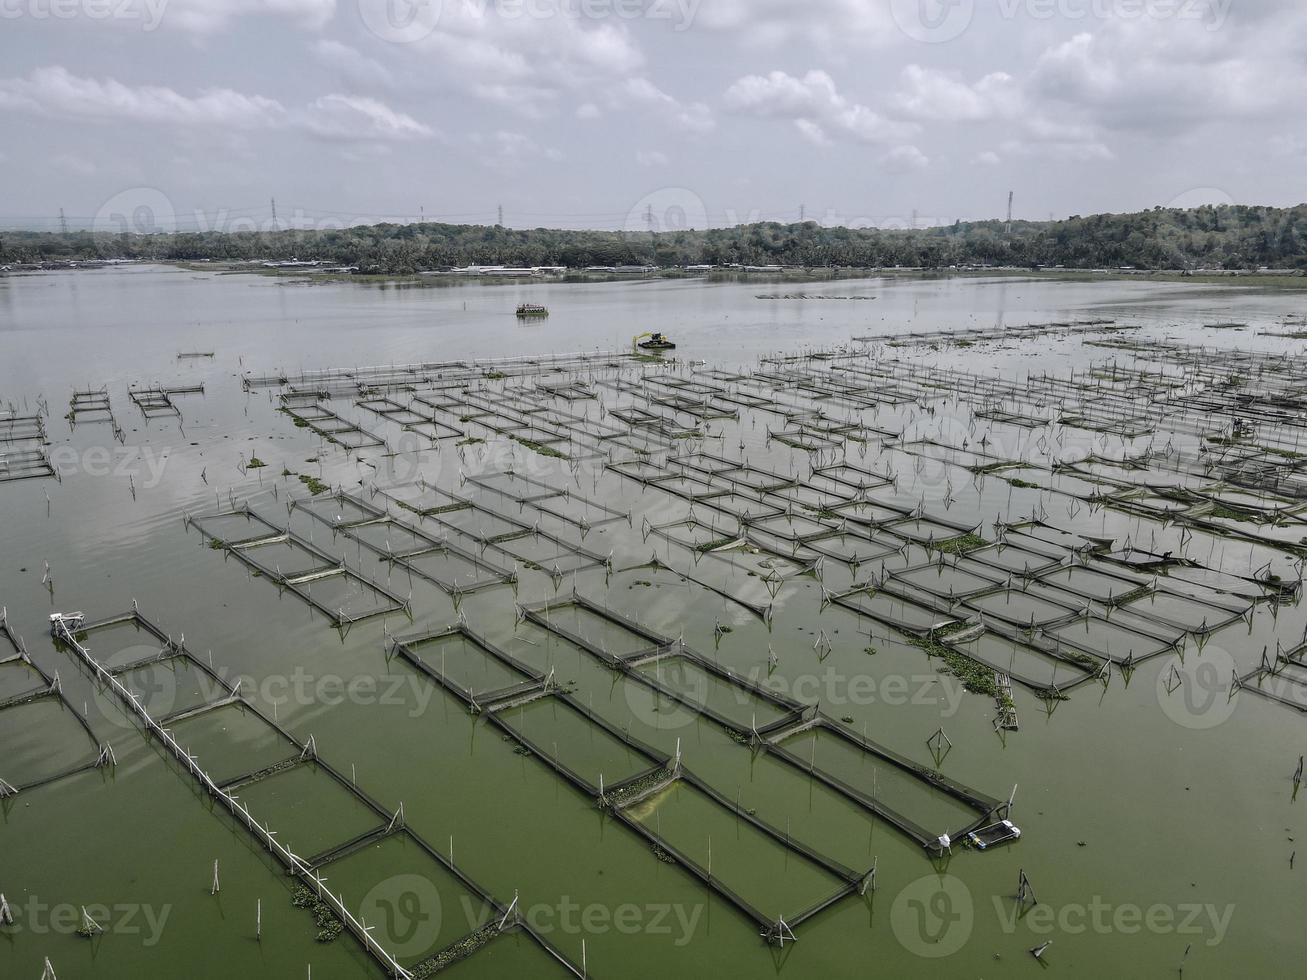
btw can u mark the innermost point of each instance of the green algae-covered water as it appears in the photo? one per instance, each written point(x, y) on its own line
point(1158, 830)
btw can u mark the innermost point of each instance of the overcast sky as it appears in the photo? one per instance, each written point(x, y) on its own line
point(605, 113)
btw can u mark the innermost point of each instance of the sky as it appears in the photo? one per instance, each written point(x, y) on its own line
point(630, 114)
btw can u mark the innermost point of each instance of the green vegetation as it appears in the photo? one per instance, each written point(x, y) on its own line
point(1233, 237)
point(462, 949)
point(975, 677)
point(255, 463)
point(714, 545)
point(329, 927)
point(469, 441)
point(315, 485)
point(961, 544)
point(540, 448)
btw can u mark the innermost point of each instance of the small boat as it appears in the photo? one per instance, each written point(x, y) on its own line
point(526, 310)
point(994, 834)
point(655, 342)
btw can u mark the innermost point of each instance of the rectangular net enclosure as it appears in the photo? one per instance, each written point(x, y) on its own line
point(318, 814)
point(764, 873)
point(24, 464)
point(1112, 640)
point(605, 633)
point(741, 706)
point(91, 405)
point(415, 415)
point(922, 803)
point(562, 503)
point(584, 749)
point(900, 612)
point(321, 578)
point(469, 666)
point(396, 882)
point(155, 401)
point(315, 415)
point(44, 737)
point(1040, 670)
point(513, 952)
point(21, 428)
point(20, 681)
point(309, 816)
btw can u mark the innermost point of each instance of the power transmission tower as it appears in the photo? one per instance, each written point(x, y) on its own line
point(274, 214)
point(803, 213)
point(63, 222)
point(501, 216)
point(1010, 195)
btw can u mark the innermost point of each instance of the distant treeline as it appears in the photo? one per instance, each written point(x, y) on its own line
point(1227, 237)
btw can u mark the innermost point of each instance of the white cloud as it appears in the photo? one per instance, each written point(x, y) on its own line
point(209, 16)
point(940, 96)
point(78, 166)
point(694, 117)
point(651, 158)
point(988, 158)
point(1071, 151)
point(525, 63)
point(351, 117)
point(587, 110)
point(354, 66)
point(56, 91)
point(510, 150)
point(814, 104)
point(1171, 75)
point(904, 159)
point(827, 24)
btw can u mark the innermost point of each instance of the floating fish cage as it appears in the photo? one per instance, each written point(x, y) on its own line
point(264, 777)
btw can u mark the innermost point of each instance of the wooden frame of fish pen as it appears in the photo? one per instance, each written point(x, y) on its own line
point(983, 805)
point(156, 401)
point(91, 405)
point(327, 567)
point(67, 629)
point(532, 681)
point(22, 428)
point(25, 464)
point(328, 424)
point(47, 686)
point(413, 560)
